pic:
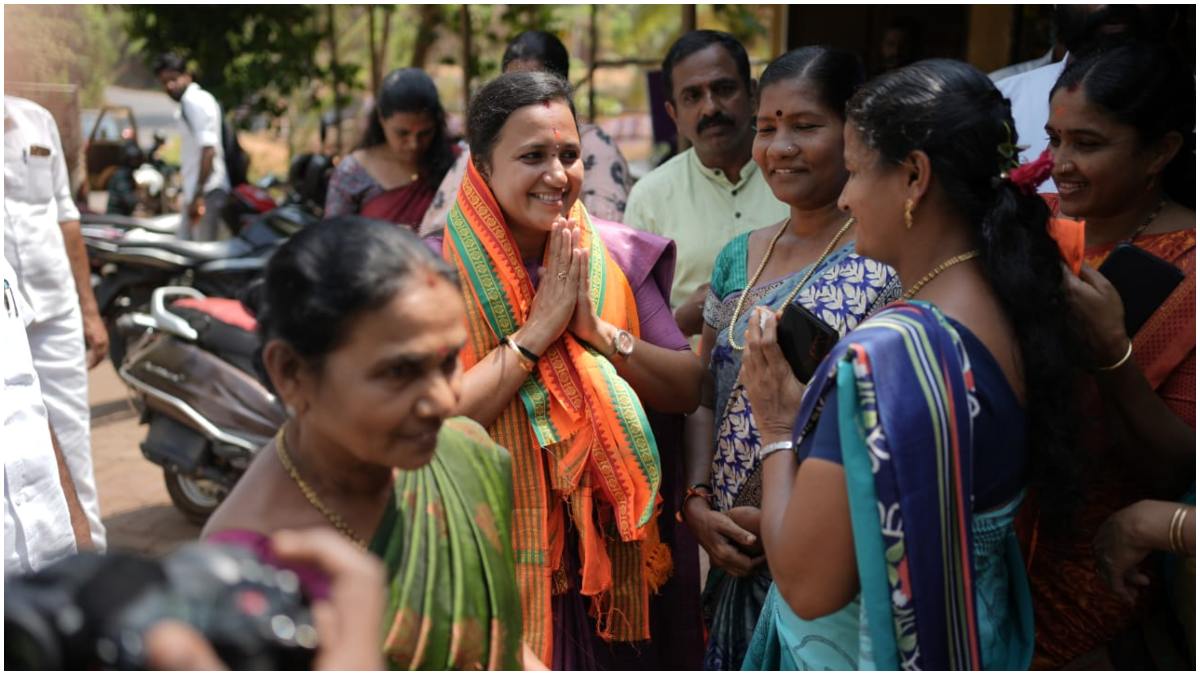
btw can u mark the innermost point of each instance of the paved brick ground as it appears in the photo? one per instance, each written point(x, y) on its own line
point(133, 499)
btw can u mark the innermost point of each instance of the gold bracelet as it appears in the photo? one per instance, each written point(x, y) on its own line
point(1175, 533)
point(524, 361)
point(1171, 532)
point(1183, 529)
point(1118, 364)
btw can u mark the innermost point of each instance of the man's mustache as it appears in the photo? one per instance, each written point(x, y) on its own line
point(713, 120)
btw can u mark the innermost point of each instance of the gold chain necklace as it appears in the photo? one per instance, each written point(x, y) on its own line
point(1142, 228)
point(311, 495)
point(763, 264)
point(945, 265)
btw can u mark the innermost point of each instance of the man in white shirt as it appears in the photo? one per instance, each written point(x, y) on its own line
point(42, 518)
point(44, 246)
point(1052, 55)
point(202, 155)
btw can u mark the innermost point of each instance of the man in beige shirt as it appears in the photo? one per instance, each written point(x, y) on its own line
point(712, 192)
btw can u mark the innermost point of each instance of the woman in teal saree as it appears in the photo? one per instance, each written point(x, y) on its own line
point(888, 499)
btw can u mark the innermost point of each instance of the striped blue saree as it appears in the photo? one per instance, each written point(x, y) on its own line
point(941, 587)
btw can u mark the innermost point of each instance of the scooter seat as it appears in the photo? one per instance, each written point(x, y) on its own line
point(204, 251)
point(226, 310)
point(221, 332)
point(165, 224)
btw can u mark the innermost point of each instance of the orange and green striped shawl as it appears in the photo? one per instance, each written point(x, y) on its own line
point(581, 443)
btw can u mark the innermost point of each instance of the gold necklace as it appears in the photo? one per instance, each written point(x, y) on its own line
point(945, 265)
point(311, 495)
point(1142, 228)
point(763, 264)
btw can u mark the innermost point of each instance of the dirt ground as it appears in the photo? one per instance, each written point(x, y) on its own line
point(133, 499)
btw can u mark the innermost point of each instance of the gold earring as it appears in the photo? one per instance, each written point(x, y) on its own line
point(908, 216)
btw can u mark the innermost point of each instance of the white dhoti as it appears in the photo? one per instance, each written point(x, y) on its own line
point(60, 359)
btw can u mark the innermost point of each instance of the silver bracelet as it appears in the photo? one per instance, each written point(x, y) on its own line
point(771, 448)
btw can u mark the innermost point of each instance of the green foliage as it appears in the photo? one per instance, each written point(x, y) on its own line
point(741, 21)
point(243, 54)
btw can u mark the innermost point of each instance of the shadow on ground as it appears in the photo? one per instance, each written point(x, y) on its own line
point(153, 530)
point(112, 411)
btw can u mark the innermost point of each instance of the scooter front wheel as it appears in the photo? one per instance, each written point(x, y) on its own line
point(196, 498)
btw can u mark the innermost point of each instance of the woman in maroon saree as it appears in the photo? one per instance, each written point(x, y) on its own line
point(395, 171)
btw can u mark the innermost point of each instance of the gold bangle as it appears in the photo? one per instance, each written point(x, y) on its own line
point(1118, 364)
point(524, 361)
point(1183, 529)
point(1175, 534)
point(1171, 532)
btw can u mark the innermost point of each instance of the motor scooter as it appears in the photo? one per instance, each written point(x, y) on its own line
point(129, 264)
point(191, 369)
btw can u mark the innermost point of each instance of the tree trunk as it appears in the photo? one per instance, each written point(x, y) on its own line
point(372, 55)
point(381, 56)
point(593, 49)
point(337, 89)
point(429, 17)
point(466, 56)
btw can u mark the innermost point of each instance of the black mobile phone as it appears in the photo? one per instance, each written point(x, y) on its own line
point(804, 340)
point(1142, 279)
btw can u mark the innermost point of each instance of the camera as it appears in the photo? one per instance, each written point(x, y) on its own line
point(91, 611)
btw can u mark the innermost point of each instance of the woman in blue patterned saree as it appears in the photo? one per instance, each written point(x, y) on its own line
point(808, 259)
point(888, 501)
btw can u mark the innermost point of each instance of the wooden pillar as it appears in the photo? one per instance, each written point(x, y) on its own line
point(689, 18)
point(779, 29)
point(989, 36)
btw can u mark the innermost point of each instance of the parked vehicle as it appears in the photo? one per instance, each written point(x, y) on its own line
point(191, 368)
point(131, 257)
point(142, 183)
point(107, 131)
point(131, 264)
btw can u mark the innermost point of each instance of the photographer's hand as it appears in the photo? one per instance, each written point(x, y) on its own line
point(174, 645)
point(349, 622)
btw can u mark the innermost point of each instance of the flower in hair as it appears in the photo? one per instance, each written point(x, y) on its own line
point(1030, 175)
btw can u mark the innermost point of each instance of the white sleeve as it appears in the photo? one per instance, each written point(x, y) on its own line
point(204, 119)
point(58, 173)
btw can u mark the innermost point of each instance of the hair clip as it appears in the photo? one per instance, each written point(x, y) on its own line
point(1008, 150)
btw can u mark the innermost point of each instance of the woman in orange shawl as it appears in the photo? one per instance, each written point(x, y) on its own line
point(570, 336)
point(1121, 134)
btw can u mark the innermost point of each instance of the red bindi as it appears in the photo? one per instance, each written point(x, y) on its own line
point(779, 113)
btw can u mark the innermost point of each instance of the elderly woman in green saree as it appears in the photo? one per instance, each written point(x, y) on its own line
point(891, 482)
point(362, 326)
